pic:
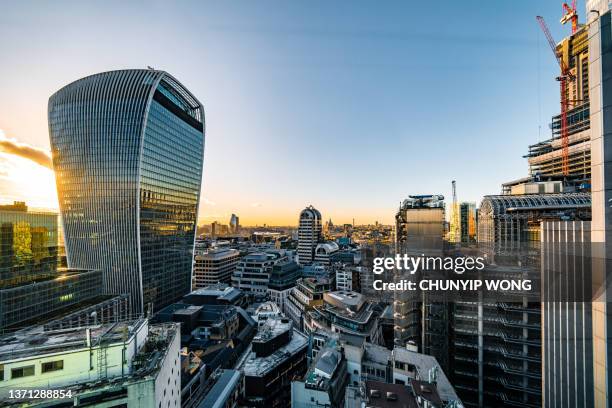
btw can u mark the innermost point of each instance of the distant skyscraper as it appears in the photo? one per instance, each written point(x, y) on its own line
point(234, 224)
point(128, 152)
point(309, 234)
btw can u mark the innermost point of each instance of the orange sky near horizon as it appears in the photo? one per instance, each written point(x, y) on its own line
point(21, 179)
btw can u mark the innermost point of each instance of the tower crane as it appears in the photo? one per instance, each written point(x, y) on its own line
point(563, 79)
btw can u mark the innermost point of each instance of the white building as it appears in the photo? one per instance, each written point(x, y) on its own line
point(127, 364)
point(252, 273)
point(324, 251)
point(214, 265)
point(309, 234)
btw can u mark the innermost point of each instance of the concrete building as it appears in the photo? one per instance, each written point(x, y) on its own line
point(309, 234)
point(325, 251)
point(278, 354)
point(308, 292)
point(252, 274)
point(344, 312)
point(130, 364)
point(348, 278)
point(324, 383)
point(214, 265)
point(138, 136)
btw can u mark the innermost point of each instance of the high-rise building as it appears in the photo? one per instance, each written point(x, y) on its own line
point(234, 224)
point(420, 226)
point(576, 336)
point(567, 320)
point(309, 234)
point(127, 151)
point(467, 222)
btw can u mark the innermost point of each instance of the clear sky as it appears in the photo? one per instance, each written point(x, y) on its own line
point(346, 105)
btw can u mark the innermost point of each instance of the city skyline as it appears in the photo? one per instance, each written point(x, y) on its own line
point(356, 169)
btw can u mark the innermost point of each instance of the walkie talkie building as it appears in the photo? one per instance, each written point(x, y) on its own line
point(128, 151)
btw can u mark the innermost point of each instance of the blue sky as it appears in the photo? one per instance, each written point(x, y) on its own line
point(346, 105)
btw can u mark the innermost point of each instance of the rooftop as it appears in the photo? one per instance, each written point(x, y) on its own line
point(219, 290)
point(260, 366)
point(424, 364)
point(224, 385)
point(21, 344)
point(384, 395)
point(216, 253)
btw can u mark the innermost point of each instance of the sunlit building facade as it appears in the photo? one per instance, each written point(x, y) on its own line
point(128, 153)
point(28, 244)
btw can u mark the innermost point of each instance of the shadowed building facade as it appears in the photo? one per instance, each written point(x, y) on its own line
point(128, 151)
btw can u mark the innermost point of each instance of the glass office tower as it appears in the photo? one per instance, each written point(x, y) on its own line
point(128, 152)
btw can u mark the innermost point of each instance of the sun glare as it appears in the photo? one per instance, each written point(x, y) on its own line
point(23, 180)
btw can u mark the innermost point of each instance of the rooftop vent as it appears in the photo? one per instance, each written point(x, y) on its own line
point(391, 396)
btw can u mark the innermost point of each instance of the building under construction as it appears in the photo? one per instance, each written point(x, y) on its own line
point(566, 155)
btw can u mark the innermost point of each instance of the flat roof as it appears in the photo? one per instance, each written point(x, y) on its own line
point(21, 344)
point(224, 385)
point(259, 366)
point(423, 364)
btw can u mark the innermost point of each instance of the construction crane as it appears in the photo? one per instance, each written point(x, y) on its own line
point(570, 15)
point(563, 79)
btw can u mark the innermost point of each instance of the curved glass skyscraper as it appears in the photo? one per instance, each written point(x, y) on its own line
point(128, 152)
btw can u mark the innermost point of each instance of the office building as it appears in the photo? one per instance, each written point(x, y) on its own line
point(252, 274)
point(576, 353)
point(467, 222)
point(324, 384)
point(344, 312)
point(127, 364)
point(348, 278)
point(29, 243)
point(127, 151)
point(309, 234)
point(45, 299)
point(308, 292)
point(214, 265)
point(567, 316)
point(420, 227)
point(282, 281)
point(278, 354)
point(325, 251)
point(234, 224)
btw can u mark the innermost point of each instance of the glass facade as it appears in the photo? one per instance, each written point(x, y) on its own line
point(128, 152)
point(28, 245)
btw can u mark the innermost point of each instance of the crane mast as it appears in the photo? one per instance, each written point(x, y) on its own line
point(563, 82)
